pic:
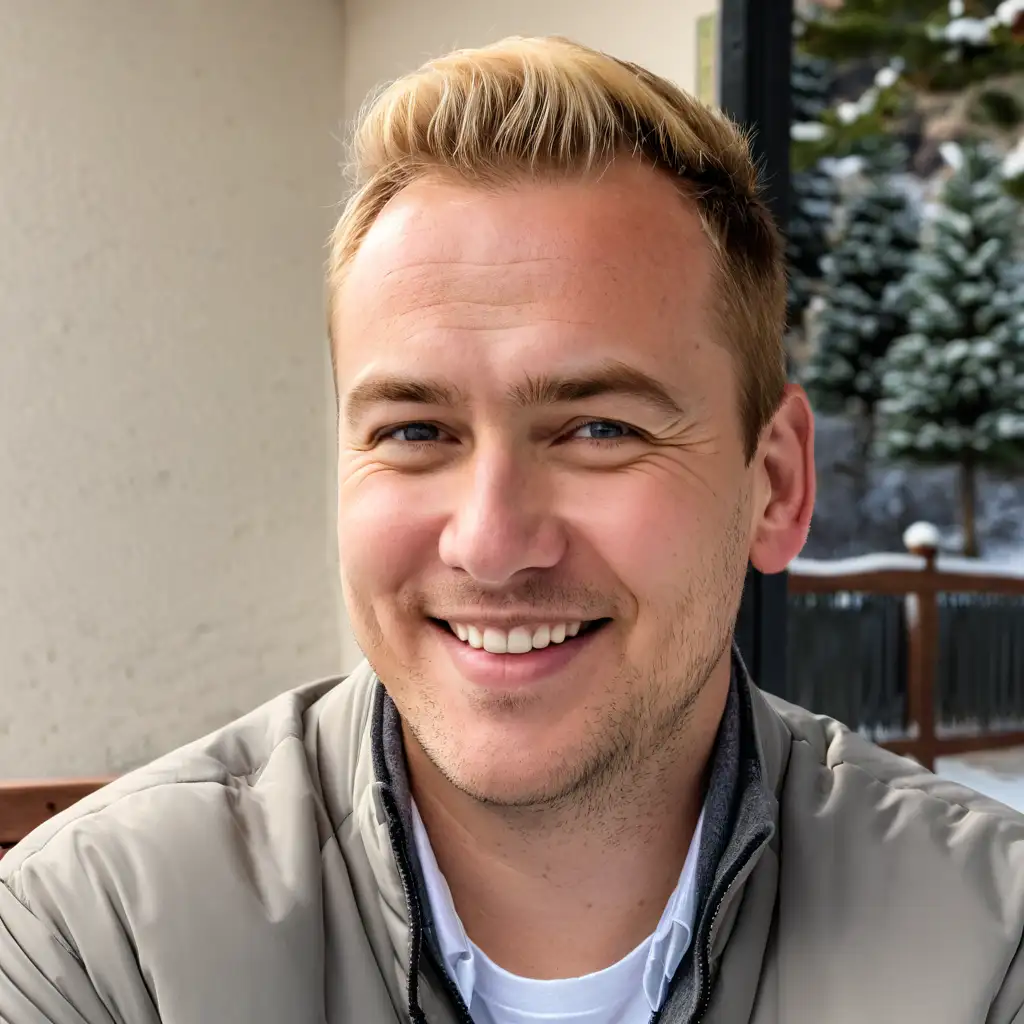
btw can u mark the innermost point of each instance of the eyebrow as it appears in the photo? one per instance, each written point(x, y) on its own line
point(610, 378)
point(397, 389)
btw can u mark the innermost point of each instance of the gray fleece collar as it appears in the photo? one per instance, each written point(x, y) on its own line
point(739, 819)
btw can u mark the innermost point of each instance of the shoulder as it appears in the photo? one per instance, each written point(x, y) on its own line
point(825, 753)
point(894, 852)
point(175, 800)
point(197, 878)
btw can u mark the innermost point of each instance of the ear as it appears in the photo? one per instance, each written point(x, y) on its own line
point(784, 484)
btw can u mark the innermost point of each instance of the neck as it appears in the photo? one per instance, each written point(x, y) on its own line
point(556, 893)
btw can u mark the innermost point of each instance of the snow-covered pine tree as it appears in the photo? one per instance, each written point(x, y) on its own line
point(954, 385)
point(812, 191)
point(944, 44)
point(959, 63)
point(876, 236)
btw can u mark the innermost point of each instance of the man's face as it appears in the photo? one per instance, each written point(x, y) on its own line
point(540, 452)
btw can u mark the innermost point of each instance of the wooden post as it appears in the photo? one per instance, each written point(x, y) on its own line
point(24, 805)
point(922, 612)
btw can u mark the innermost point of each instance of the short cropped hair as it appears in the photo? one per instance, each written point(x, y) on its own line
point(543, 107)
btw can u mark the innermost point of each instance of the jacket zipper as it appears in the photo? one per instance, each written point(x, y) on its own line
point(416, 1014)
point(703, 964)
point(704, 954)
point(703, 996)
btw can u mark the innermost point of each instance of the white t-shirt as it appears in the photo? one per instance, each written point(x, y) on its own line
point(628, 992)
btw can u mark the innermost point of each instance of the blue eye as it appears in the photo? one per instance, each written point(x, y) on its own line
point(415, 433)
point(602, 430)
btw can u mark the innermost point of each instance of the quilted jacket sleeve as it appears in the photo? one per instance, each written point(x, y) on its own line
point(67, 954)
point(1008, 1007)
point(42, 981)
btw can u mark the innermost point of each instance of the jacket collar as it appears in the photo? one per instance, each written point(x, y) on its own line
point(740, 814)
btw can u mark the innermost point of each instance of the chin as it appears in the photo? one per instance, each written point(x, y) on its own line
point(509, 767)
point(509, 788)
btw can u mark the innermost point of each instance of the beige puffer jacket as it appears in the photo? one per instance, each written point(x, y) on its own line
point(262, 876)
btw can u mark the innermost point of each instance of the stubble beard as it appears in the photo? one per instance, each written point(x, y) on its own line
point(626, 753)
point(634, 747)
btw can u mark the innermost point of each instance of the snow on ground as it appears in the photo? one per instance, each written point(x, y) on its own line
point(998, 774)
point(1009, 555)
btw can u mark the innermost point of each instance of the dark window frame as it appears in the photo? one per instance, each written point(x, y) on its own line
point(755, 56)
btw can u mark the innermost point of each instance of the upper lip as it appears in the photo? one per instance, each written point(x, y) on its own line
point(508, 622)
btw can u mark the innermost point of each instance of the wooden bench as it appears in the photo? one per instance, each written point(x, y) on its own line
point(26, 804)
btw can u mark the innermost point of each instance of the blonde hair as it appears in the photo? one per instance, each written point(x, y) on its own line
point(548, 106)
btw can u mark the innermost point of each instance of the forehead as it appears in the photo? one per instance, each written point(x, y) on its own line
point(612, 268)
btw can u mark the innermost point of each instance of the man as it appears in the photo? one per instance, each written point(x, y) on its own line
point(552, 793)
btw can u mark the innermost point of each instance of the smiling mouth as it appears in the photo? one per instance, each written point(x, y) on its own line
point(520, 639)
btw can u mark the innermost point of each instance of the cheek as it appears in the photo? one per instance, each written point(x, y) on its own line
point(650, 529)
point(385, 535)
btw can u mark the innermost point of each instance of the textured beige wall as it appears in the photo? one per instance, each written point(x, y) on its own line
point(385, 38)
point(166, 545)
point(167, 171)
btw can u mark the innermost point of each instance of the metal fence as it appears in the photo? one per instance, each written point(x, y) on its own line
point(979, 678)
point(847, 658)
point(924, 654)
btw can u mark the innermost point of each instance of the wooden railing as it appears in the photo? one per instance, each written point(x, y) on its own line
point(24, 805)
point(926, 587)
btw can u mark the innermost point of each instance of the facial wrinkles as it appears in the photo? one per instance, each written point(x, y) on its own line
point(490, 423)
point(464, 295)
point(689, 453)
point(485, 269)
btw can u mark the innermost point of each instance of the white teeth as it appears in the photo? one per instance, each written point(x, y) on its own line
point(520, 640)
point(495, 641)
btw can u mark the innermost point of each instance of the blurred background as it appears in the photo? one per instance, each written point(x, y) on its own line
point(168, 176)
point(905, 615)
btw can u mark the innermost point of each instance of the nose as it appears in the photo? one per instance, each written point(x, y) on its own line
point(503, 523)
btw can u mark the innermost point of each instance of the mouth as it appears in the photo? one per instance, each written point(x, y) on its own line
point(520, 639)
